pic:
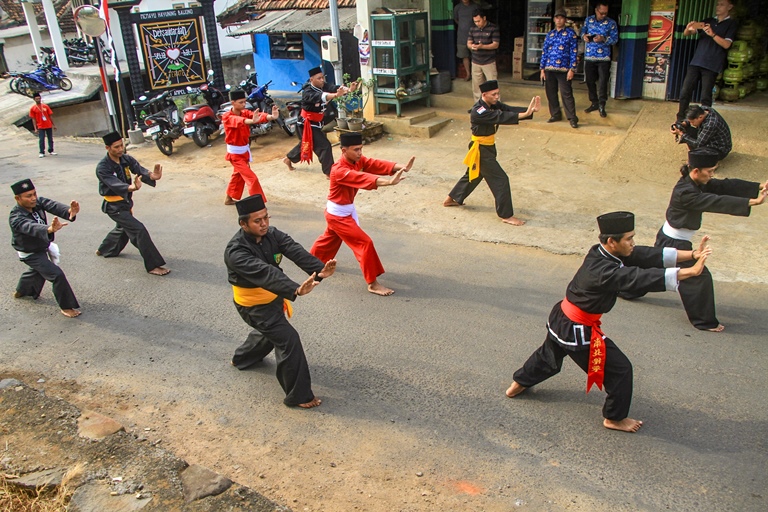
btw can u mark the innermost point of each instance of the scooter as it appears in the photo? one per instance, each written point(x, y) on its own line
point(165, 126)
point(258, 97)
point(202, 120)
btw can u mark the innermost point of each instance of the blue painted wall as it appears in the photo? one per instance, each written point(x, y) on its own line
point(283, 71)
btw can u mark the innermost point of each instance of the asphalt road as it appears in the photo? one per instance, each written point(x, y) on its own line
point(413, 382)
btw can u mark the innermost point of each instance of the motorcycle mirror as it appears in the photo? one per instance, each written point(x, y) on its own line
point(210, 72)
point(247, 67)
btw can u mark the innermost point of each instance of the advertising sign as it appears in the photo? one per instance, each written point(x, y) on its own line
point(661, 28)
point(172, 48)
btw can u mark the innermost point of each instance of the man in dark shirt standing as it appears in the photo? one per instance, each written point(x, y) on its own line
point(315, 95)
point(715, 38)
point(706, 129)
point(32, 237)
point(117, 186)
point(462, 15)
point(485, 117)
point(483, 41)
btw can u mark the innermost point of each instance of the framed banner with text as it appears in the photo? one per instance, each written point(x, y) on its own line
point(172, 47)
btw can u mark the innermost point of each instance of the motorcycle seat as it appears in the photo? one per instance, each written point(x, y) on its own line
point(194, 108)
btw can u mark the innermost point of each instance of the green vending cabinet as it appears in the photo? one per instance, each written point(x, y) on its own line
point(400, 51)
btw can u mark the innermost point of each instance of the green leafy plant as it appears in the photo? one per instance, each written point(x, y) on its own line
point(354, 102)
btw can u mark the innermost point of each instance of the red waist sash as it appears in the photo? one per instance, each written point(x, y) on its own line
point(306, 136)
point(596, 365)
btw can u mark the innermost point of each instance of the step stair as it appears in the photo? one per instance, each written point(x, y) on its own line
point(415, 121)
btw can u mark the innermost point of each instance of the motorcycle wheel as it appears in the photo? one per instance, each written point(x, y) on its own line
point(200, 136)
point(281, 123)
point(27, 90)
point(165, 145)
point(290, 128)
point(14, 84)
point(65, 84)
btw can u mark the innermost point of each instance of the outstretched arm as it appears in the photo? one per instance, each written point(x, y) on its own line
point(406, 167)
point(760, 199)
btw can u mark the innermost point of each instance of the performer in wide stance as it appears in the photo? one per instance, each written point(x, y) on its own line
point(32, 238)
point(116, 186)
point(612, 266)
point(696, 192)
point(263, 296)
point(237, 135)
point(485, 117)
point(351, 173)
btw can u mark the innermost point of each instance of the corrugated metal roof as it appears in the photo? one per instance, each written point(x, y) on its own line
point(297, 21)
point(243, 10)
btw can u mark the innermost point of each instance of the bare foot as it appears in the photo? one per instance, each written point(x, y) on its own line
point(328, 176)
point(377, 288)
point(514, 221)
point(514, 390)
point(449, 201)
point(160, 271)
point(70, 313)
point(625, 425)
point(229, 201)
point(287, 162)
point(314, 403)
point(16, 295)
point(98, 252)
point(719, 328)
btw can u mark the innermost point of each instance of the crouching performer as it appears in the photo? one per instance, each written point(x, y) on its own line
point(263, 296)
point(32, 237)
point(613, 265)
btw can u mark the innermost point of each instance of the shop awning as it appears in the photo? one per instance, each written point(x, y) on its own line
point(297, 21)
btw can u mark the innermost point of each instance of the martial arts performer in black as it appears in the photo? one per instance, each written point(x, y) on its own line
point(614, 265)
point(117, 186)
point(485, 117)
point(263, 295)
point(315, 95)
point(32, 238)
point(697, 192)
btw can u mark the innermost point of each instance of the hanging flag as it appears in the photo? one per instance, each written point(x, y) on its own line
point(110, 43)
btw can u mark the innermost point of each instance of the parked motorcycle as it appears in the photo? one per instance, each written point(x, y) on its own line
point(79, 52)
point(44, 78)
point(202, 120)
point(259, 97)
point(166, 125)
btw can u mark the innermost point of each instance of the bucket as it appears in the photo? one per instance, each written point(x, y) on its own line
point(342, 123)
point(356, 125)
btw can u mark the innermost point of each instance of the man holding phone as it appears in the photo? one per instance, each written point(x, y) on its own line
point(599, 32)
point(715, 38)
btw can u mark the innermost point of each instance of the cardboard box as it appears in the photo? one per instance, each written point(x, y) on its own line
point(517, 66)
point(519, 44)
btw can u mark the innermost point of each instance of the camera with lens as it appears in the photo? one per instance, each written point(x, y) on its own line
point(680, 125)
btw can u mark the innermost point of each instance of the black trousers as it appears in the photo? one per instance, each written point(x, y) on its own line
point(597, 75)
point(497, 180)
point(320, 146)
point(128, 228)
point(692, 77)
point(559, 80)
point(42, 134)
point(697, 293)
point(42, 269)
point(548, 360)
point(273, 331)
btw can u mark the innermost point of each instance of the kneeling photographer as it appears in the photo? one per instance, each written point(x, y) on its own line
point(703, 128)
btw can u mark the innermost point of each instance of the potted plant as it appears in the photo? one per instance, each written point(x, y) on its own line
point(352, 105)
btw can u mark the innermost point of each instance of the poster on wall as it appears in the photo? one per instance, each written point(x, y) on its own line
point(656, 67)
point(661, 28)
point(172, 48)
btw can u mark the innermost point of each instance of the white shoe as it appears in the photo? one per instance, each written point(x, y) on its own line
point(41, 155)
point(53, 153)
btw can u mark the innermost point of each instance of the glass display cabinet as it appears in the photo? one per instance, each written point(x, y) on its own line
point(400, 52)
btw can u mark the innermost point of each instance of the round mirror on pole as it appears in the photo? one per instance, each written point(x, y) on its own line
point(88, 19)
